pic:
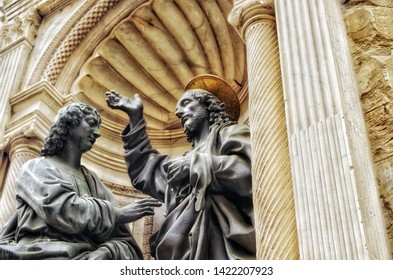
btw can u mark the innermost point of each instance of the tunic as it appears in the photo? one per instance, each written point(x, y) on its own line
point(63, 214)
point(210, 215)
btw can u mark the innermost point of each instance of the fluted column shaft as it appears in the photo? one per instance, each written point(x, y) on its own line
point(15, 48)
point(272, 184)
point(337, 205)
point(22, 149)
point(3, 169)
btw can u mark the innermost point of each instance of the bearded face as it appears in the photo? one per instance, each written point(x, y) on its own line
point(194, 123)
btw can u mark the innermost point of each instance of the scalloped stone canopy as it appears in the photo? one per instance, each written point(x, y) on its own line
point(156, 51)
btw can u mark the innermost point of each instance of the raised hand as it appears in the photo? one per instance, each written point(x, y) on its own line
point(133, 107)
point(136, 210)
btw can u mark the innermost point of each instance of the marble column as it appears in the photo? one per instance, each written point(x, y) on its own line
point(272, 183)
point(337, 206)
point(17, 40)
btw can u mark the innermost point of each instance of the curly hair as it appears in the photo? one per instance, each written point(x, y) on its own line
point(68, 117)
point(215, 108)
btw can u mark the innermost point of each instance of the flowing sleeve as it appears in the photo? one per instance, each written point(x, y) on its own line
point(55, 200)
point(144, 164)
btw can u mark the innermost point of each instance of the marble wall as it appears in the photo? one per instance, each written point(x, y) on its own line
point(370, 31)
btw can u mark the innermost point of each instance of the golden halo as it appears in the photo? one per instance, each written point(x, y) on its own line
point(220, 89)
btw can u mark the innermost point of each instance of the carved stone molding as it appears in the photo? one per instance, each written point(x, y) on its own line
point(26, 135)
point(56, 41)
point(124, 190)
point(148, 228)
point(75, 36)
point(2, 14)
point(245, 13)
point(21, 27)
point(32, 111)
point(51, 6)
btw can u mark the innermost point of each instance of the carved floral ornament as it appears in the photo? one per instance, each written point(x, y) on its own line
point(245, 13)
point(21, 26)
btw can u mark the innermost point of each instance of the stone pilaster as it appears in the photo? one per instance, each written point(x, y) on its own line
point(16, 45)
point(338, 212)
point(272, 183)
point(33, 112)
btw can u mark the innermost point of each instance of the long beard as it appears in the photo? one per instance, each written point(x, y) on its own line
point(193, 125)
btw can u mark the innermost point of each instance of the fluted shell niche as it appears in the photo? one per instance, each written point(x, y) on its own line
point(155, 52)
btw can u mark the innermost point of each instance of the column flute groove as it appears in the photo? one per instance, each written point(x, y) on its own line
point(325, 124)
point(272, 182)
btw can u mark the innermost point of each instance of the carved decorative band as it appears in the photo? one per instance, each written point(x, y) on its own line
point(77, 34)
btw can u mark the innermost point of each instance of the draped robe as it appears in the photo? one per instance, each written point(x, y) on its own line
point(209, 215)
point(63, 214)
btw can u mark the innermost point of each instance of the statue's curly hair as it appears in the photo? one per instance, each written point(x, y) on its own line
point(68, 117)
point(215, 108)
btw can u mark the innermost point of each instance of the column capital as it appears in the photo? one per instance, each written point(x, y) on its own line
point(21, 27)
point(26, 139)
point(33, 111)
point(246, 12)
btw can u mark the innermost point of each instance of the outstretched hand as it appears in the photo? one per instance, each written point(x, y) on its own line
point(133, 107)
point(137, 210)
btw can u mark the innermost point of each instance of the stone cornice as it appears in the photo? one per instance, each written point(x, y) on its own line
point(52, 6)
point(32, 113)
point(41, 88)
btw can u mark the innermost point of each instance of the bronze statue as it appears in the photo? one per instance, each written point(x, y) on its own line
point(207, 191)
point(63, 210)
